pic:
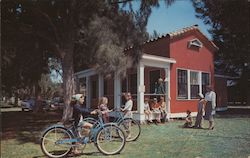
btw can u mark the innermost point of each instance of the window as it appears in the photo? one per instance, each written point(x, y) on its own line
point(182, 84)
point(125, 85)
point(194, 84)
point(153, 77)
point(105, 85)
point(94, 89)
point(205, 81)
point(191, 83)
point(195, 43)
point(133, 83)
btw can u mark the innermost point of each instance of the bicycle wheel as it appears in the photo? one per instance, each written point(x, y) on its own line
point(50, 142)
point(110, 139)
point(131, 128)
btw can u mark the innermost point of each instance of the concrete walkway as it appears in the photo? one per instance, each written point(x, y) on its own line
point(238, 107)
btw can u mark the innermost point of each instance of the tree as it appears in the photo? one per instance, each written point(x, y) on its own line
point(48, 88)
point(231, 33)
point(72, 32)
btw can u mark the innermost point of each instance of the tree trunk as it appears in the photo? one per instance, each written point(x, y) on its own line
point(1, 94)
point(68, 83)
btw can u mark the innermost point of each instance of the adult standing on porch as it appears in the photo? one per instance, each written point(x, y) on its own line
point(210, 98)
point(128, 106)
point(159, 89)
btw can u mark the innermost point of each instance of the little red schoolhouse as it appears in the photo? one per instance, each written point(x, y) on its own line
point(183, 59)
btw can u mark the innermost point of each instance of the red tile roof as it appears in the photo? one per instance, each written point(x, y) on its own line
point(180, 33)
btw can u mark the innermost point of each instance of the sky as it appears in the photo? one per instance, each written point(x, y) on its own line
point(177, 16)
point(168, 19)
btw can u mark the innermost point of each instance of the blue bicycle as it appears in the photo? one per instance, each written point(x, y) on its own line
point(131, 127)
point(58, 140)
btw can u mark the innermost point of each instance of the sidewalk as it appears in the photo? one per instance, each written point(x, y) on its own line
point(238, 107)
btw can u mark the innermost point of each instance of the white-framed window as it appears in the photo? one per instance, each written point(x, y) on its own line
point(182, 80)
point(190, 83)
point(194, 84)
point(205, 81)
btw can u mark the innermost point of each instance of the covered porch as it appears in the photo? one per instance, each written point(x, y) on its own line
point(139, 82)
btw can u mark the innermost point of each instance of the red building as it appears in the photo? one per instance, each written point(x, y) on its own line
point(183, 59)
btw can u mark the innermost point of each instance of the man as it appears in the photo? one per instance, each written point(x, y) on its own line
point(210, 98)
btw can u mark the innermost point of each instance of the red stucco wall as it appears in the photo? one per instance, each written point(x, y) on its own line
point(201, 60)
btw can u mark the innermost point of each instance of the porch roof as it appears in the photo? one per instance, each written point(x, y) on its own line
point(157, 61)
point(158, 58)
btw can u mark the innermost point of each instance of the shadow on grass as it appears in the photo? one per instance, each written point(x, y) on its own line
point(224, 136)
point(94, 154)
point(234, 113)
point(27, 126)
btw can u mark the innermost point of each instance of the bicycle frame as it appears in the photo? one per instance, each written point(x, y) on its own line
point(73, 132)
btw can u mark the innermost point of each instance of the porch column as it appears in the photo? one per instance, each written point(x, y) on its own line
point(117, 91)
point(140, 92)
point(188, 84)
point(101, 86)
point(88, 92)
point(167, 97)
point(200, 82)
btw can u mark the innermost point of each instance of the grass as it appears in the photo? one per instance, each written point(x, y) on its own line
point(230, 139)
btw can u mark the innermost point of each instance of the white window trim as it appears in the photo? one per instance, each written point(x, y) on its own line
point(199, 81)
point(188, 82)
point(192, 43)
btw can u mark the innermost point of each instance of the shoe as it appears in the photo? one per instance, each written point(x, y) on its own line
point(76, 152)
point(211, 128)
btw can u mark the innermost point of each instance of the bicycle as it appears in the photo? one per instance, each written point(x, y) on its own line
point(131, 127)
point(58, 140)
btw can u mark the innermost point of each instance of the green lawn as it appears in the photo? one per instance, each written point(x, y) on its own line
point(230, 139)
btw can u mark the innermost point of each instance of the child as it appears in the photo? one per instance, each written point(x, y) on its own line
point(156, 109)
point(201, 103)
point(188, 123)
point(147, 111)
point(103, 107)
point(78, 110)
point(128, 106)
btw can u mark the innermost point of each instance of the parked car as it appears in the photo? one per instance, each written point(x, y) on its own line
point(28, 104)
point(57, 103)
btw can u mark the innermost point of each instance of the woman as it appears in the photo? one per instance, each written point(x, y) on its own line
point(198, 121)
point(210, 98)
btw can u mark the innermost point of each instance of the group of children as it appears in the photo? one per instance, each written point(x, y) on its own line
point(158, 108)
point(79, 111)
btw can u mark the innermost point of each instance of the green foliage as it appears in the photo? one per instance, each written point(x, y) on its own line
point(230, 31)
point(48, 88)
